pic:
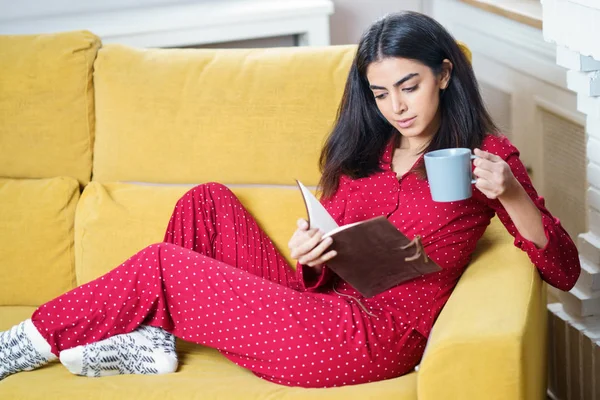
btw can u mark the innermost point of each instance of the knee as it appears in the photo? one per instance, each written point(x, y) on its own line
point(214, 190)
point(160, 250)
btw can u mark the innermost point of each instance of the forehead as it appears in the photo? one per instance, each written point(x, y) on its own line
point(391, 69)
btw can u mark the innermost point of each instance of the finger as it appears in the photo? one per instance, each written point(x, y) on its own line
point(304, 248)
point(323, 259)
point(483, 173)
point(317, 251)
point(299, 237)
point(486, 155)
point(484, 185)
point(484, 163)
point(302, 224)
point(311, 233)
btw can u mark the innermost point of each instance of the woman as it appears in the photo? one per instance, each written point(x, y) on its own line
point(219, 281)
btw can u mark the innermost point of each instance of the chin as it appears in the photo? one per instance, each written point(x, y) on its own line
point(411, 132)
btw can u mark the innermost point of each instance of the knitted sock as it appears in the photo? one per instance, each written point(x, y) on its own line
point(23, 348)
point(147, 350)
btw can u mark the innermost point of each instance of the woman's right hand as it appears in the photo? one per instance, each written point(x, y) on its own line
point(307, 248)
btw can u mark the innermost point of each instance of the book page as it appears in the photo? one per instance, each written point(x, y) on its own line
point(318, 217)
point(340, 228)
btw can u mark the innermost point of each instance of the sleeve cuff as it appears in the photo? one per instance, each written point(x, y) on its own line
point(530, 247)
point(310, 280)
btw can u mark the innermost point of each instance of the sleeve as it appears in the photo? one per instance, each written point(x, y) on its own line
point(558, 262)
point(335, 205)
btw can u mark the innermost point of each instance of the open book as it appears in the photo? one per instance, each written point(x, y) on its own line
point(372, 255)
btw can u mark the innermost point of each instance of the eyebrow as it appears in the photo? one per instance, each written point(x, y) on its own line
point(400, 82)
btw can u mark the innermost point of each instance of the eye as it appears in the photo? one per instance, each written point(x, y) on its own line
point(410, 89)
point(380, 96)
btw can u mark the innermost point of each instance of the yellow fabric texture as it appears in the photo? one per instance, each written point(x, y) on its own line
point(203, 373)
point(116, 220)
point(231, 116)
point(490, 339)
point(36, 239)
point(47, 105)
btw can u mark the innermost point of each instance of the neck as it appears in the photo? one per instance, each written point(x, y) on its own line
point(414, 145)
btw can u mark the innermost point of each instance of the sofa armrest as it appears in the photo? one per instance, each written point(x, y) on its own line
point(489, 341)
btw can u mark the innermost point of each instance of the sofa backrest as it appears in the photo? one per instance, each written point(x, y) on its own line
point(255, 116)
point(47, 105)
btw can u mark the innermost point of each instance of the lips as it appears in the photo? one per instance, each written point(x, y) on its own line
point(405, 123)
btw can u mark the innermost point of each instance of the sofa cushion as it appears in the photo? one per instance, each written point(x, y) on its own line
point(231, 116)
point(115, 220)
point(36, 232)
point(47, 105)
point(203, 373)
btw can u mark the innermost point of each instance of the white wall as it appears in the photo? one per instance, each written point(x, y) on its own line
point(11, 9)
point(352, 17)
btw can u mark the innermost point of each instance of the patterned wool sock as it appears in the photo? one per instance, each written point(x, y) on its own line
point(147, 350)
point(23, 348)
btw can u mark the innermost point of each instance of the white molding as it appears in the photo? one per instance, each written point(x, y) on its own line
point(555, 109)
point(587, 83)
point(573, 24)
point(589, 247)
point(573, 60)
point(593, 219)
point(588, 105)
point(590, 275)
point(593, 174)
point(592, 127)
point(193, 23)
point(593, 197)
point(508, 42)
point(593, 153)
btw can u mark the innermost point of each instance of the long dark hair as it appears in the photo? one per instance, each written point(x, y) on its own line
point(360, 134)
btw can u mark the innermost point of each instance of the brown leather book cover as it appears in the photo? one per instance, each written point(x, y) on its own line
point(373, 256)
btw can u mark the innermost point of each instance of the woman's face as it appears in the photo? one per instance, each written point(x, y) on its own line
point(408, 94)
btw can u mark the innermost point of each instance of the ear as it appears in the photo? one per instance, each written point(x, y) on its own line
point(445, 74)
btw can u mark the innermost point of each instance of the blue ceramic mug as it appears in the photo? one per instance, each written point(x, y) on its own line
point(449, 173)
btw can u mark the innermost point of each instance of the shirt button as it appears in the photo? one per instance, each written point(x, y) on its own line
point(394, 189)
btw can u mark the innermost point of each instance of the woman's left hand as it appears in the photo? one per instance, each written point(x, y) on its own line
point(494, 177)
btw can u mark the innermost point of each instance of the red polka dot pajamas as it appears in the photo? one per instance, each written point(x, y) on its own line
point(217, 280)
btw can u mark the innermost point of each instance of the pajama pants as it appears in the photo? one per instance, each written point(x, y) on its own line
point(218, 280)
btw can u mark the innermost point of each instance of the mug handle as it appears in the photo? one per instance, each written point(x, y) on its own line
point(473, 180)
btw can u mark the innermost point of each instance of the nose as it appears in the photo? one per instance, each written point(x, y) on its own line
point(398, 104)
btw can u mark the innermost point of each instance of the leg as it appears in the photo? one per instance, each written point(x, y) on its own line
point(282, 335)
point(209, 219)
point(159, 286)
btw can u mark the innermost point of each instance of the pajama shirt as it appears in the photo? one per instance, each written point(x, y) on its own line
point(218, 280)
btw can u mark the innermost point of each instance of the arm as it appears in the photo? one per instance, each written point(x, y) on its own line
point(504, 185)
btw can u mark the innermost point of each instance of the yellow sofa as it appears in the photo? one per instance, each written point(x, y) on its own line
point(97, 143)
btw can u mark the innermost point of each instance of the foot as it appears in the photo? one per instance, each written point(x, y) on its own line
point(147, 350)
point(23, 348)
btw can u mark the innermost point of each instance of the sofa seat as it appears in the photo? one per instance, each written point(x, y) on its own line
point(203, 373)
